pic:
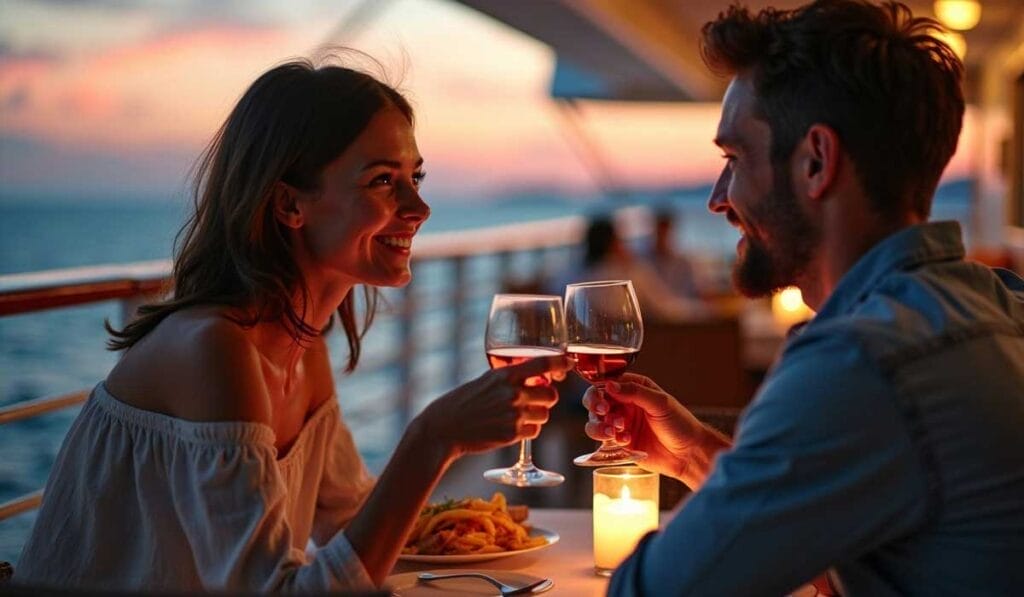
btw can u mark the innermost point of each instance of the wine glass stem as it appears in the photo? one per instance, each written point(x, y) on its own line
point(525, 454)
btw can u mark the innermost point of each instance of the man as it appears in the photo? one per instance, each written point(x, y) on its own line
point(887, 442)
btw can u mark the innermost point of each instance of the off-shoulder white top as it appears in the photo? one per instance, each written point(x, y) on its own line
point(143, 501)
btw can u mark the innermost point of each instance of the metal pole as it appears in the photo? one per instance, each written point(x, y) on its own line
point(407, 353)
point(459, 308)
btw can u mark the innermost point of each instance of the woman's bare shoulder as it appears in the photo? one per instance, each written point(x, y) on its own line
point(197, 364)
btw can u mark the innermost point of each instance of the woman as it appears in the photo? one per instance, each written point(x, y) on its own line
point(215, 449)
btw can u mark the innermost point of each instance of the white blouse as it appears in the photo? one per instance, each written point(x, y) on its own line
point(143, 501)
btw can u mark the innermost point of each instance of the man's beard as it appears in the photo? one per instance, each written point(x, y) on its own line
point(762, 269)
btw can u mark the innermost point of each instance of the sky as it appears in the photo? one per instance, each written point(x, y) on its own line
point(116, 98)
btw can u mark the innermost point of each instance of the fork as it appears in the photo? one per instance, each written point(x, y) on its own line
point(537, 587)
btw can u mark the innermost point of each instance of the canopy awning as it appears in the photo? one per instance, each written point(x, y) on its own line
point(606, 49)
point(648, 50)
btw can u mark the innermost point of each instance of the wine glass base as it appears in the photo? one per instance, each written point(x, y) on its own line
point(524, 477)
point(610, 457)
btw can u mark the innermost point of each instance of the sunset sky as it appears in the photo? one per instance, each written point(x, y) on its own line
point(115, 98)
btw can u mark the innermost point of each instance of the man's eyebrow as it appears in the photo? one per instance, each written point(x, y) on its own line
point(390, 164)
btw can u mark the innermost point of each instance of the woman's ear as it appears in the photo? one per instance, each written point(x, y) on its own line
point(285, 203)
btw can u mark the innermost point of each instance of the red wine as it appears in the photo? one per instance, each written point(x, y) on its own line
point(513, 355)
point(598, 363)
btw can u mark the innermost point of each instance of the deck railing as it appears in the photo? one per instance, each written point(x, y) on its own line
point(545, 245)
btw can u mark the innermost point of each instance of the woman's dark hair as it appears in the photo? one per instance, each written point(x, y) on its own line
point(291, 122)
point(873, 73)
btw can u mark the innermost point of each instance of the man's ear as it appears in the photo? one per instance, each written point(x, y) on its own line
point(817, 161)
point(285, 203)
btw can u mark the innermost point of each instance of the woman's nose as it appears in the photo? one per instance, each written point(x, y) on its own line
point(413, 208)
point(718, 201)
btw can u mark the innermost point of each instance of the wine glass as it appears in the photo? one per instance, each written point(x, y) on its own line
point(522, 327)
point(605, 333)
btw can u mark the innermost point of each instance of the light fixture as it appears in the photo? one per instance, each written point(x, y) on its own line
point(954, 40)
point(958, 14)
point(788, 307)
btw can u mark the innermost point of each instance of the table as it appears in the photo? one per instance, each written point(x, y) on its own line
point(570, 562)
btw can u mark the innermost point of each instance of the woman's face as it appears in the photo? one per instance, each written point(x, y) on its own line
point(362, 221)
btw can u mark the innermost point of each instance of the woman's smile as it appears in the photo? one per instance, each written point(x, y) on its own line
point(399, 243)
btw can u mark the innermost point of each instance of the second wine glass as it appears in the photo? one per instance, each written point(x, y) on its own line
point(605, 332)
point(522, 327)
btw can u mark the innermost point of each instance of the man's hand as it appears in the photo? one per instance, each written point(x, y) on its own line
point(642, 415)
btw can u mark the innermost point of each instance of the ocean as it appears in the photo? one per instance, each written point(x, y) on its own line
point(62, 350)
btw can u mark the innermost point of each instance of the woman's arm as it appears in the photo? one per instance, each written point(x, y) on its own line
point(378, 531)
point(493, 410)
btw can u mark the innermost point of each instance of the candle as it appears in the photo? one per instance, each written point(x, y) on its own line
point(625, 509)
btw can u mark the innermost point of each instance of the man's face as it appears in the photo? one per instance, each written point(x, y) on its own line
point(757, 197)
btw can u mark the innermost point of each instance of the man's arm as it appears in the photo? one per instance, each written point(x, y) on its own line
point(822, 471)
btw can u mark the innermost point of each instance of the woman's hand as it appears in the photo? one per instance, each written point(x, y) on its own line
point(646, 418)
point(496, 409)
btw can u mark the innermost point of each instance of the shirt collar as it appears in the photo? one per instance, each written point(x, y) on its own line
point(910, 247)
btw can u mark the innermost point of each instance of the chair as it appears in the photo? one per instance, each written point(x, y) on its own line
point(698, 361)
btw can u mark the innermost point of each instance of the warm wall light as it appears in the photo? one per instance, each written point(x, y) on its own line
point(958, 14)
point(954, 40)
point(788, 307)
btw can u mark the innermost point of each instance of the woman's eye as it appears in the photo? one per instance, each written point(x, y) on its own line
point(418, 178)
point(382, 180)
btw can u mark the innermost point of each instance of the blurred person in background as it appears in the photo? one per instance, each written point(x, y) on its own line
point(674, 267)
point(885, 444)
point(607, 257)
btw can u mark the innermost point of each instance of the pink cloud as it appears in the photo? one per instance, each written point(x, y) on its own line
point(172, 89)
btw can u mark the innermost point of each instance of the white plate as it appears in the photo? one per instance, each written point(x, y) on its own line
point(408, 584)
point(551, 536)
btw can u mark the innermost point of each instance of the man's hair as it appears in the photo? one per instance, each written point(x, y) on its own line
point(873, 73)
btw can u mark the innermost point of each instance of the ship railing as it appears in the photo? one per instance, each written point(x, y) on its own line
point(523, 251)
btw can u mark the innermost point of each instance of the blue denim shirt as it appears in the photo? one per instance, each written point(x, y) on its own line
point(887, 443)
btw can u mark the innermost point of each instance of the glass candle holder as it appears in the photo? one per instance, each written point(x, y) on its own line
point(625, 509)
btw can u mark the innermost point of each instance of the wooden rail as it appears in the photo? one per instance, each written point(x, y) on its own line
point(21, 504)
point(37, 291)
point(31, 408)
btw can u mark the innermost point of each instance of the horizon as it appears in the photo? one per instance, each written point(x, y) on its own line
point(949, 189)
